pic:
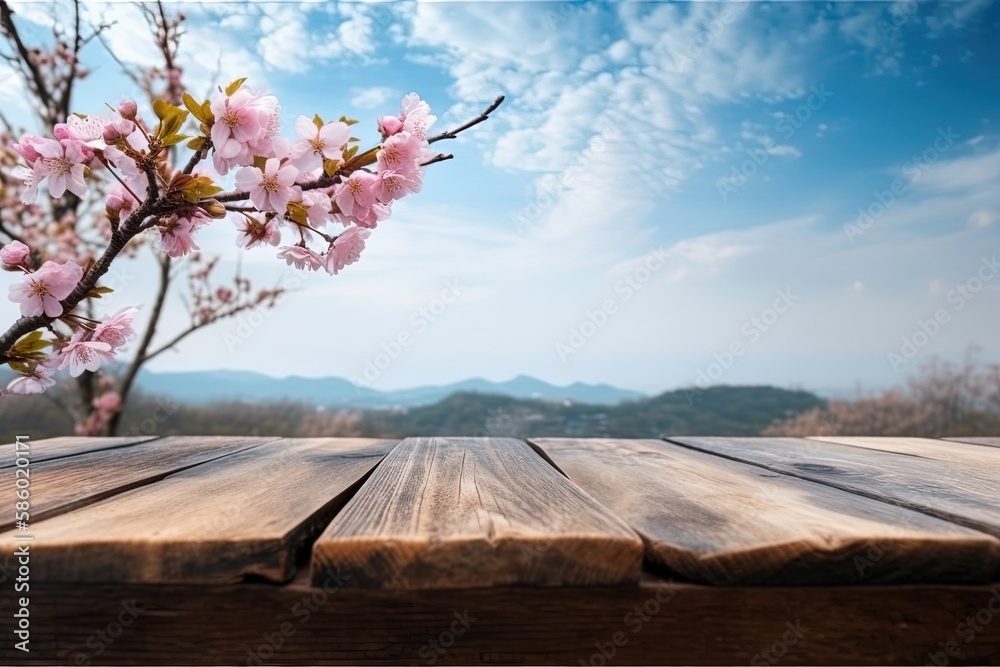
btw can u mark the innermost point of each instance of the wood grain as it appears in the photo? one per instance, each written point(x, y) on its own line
point(247, 514)
point(719, 521)
point(928, 448)
point(990, 442)
point(61, 485)
point(957, 491)
point(654, 624)
point(474, 512)
point(57, 448)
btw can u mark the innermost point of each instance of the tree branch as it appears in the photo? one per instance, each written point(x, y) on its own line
point(36, 78)
point(25, 324)
point(451, 134)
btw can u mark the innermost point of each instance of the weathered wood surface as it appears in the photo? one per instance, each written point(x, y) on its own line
point(719, 521)
point(928, 448)
point(250, 513)
point(57, 448)
point(991, 442)
point(474, 512)
point(961, 491)
point(647, 624)
point(64, 484)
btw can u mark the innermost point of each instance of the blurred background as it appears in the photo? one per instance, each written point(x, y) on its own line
point(686, 218)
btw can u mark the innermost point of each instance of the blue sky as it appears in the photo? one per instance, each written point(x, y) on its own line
point(670, 194)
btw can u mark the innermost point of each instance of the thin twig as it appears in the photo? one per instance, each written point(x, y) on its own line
point(451, 134)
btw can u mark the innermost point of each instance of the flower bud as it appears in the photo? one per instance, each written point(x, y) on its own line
point(128, 109)
point(111, 134)
point(214, 208)
point(62, 131)
point(389, 125)
point(115, 203)
point(13, 253)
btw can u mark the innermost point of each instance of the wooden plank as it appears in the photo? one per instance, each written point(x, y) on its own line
point(57, 448)
point(61, 485)
point(650, 624)
point(719, 521)
point(957, 491)
point(972, 440)
point(247, 514)
point(474, 512)
point(928, 448)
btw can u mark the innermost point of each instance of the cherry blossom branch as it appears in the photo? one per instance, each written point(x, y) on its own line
point(25, 325)
point(198, 156)
point(438, 158)
point(451, 134)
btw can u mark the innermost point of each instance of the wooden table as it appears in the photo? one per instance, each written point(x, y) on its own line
point(689, 550)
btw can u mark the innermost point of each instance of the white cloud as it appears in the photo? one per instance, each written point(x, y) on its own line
point(983, 218)
point(370, 98)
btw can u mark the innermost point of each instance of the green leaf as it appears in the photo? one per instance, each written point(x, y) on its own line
point(330, 167)
point(298, 214)
point(196, 108)
point(234, 86)
point(318, 122)
point(196, 143)
point(259, 161)
point(347, 121)
point(350, 152)
point(174, 139)
point(161, 108)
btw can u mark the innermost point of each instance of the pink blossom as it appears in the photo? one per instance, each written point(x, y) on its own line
point(27, 148)
point(128, 109)
point(317, 143)
point(392, 185)
point(84, 355)
point(177, 235)
point(300, 258)
point(318, 205)
point(35, 381)
point(241, 119)
point(417, 118)
point(14, 253)
point(402, 153)
point(271, 189)
point(62, 163)
point(41, 291)
point(89, 130)
point(253, 232)
point(389, 125)
point(369, 217)
point(346, 249)
point(109, 402)
point(356, 194)
point(116, 329)
point(29, 183)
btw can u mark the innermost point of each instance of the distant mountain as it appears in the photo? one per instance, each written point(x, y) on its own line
point(721, 410)
point(332, 392)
